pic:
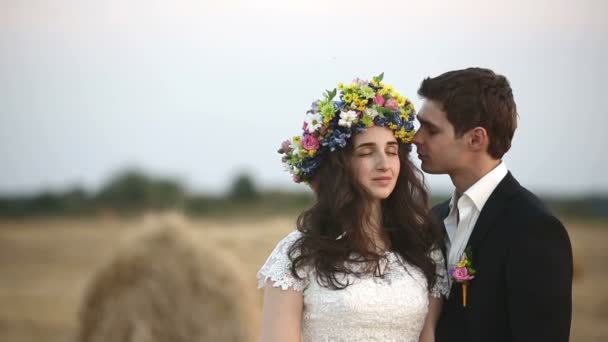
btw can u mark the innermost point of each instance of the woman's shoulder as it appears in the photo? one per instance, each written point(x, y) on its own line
point(277, 267)
point(284, 245)
point(291, 237)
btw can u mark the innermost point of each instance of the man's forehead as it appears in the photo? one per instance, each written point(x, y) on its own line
point(431, 112)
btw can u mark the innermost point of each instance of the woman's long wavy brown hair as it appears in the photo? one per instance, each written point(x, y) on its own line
point(333, 228)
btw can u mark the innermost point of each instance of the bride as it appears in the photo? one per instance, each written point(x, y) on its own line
point(364, 262)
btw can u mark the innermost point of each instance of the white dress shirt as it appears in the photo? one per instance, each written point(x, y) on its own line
point(468, 208)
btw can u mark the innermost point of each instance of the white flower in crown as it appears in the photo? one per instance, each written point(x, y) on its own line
point(313, 122)
point(293, 145)
point(347, 118)
point(371, 112)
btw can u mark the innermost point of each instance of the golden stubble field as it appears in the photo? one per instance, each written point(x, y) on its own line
point(45, 266)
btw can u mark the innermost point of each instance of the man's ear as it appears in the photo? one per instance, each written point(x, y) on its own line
point(478, 139)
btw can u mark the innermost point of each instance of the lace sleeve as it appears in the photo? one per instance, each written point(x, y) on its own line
point(442, 285)
point(277, 267)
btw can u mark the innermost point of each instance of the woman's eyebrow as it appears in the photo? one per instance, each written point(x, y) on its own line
point(368, 144)
point(371, 144)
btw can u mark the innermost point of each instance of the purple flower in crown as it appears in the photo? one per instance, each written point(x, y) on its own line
point(396, 119)
point(337, 139)
point(409, 126)
point(359, 129)
point(285, 146)
point(381, 121)
point(314, 108)
point(309, 166)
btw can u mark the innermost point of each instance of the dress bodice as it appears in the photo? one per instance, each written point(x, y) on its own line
point(391, 307)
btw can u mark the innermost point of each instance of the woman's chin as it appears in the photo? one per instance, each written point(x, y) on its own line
point(381, 194)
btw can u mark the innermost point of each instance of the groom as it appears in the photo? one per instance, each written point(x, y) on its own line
point(522, 287)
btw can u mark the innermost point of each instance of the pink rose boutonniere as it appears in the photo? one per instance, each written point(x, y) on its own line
point(463, 273)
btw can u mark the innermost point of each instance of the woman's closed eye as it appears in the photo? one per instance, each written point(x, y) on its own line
point(365, 153)
point(392, 149)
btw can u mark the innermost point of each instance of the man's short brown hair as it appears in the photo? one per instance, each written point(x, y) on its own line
point(476, 97)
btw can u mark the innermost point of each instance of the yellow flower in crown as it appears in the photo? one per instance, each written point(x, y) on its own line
point(332, 120)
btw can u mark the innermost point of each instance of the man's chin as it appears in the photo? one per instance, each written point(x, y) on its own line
point(430, 170)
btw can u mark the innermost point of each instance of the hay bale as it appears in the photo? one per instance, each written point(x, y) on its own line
point(168, 284)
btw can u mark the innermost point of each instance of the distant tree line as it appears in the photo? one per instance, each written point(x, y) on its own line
point(132, 192)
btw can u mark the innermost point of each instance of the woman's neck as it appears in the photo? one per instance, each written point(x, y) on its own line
point(374, 230)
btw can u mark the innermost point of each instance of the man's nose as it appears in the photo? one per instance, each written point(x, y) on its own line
point(417, 140)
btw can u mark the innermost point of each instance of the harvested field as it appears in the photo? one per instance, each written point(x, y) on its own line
point(45, 267)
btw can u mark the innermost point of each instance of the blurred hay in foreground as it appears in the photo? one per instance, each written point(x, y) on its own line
point(167, 283)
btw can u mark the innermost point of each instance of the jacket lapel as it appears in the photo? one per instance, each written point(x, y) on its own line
point(492, 209)
point(440, 212)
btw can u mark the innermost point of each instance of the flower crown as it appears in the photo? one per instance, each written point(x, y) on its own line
point(330, 123)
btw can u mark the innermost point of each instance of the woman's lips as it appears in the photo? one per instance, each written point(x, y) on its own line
point(383, 181)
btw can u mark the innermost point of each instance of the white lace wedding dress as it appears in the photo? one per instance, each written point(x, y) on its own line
point(388, 308)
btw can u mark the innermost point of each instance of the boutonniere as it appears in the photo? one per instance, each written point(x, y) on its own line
point(463, 272)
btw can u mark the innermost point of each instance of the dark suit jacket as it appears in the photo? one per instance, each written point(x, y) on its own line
point(522, 290)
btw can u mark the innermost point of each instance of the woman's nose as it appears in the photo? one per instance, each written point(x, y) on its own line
point(382, 162)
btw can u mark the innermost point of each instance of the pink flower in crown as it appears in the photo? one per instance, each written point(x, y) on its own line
point(379, 100)
point(310, 142)
point(392, 104)
point(286, 146)
point(461, 274)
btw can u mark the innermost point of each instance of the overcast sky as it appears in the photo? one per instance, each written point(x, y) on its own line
point(201, 90)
